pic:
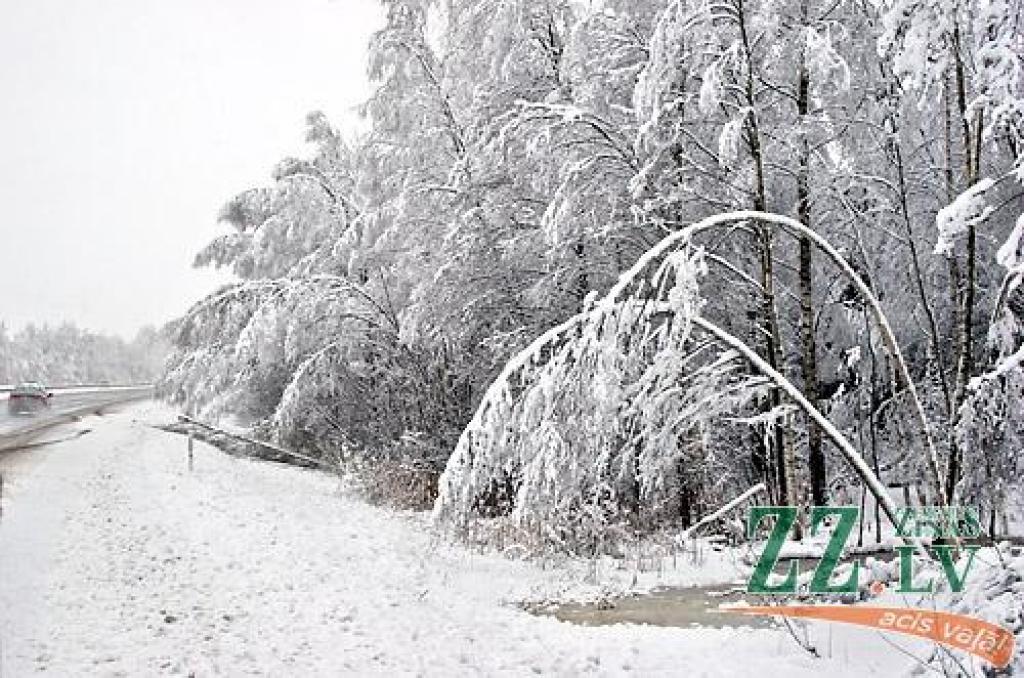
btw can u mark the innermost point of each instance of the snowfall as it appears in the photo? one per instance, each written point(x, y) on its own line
point(117, 560)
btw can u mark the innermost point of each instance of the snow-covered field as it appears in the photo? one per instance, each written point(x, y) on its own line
point(115, 560)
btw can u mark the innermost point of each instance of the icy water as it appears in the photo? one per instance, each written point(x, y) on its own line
point(674, 607)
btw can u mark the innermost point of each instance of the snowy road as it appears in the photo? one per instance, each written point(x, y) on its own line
point(116, 561)
point(63, 402)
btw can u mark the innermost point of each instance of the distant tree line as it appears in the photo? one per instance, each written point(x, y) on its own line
point(68, 355)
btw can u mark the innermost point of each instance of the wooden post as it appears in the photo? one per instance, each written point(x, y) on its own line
point(190, 446)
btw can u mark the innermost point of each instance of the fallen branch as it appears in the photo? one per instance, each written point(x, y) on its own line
point(712, 517)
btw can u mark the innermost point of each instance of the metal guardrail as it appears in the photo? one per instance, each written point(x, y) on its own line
point(275, 449)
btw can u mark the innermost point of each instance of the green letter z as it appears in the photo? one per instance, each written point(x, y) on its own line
point(834, 550)
point(785, 516)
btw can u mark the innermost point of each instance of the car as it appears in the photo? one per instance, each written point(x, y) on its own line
point(28, 398)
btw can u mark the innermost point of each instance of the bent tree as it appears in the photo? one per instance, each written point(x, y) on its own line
point(588, 427)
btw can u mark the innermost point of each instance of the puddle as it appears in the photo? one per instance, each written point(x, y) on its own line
point(674, 607)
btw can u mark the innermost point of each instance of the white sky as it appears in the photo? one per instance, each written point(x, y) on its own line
point(126, 124)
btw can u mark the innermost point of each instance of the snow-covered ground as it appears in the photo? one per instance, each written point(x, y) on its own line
point(115, 560)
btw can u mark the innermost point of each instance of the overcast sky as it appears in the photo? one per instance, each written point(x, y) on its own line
point(126, 124)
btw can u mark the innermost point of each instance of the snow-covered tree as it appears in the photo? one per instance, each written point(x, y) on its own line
point(616, 417)
point(959, 59)
point(522, 155)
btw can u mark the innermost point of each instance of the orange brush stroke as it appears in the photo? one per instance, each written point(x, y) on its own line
point(980, 638)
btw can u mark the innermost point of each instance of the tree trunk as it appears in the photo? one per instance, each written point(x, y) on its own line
point(809, 358)
point(773, 355)
point(966, 295)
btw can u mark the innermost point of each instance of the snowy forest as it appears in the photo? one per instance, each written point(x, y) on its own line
point(66, 355)
point(597, 268)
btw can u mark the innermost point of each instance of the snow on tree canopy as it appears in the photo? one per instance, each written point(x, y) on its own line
point(600, 419)
point(593, 419)
point(969, 209)
point(1011, 254)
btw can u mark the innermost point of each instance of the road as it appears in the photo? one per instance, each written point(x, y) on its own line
point(65, 404)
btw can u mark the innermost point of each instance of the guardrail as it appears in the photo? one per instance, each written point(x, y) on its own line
point(276, 452)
